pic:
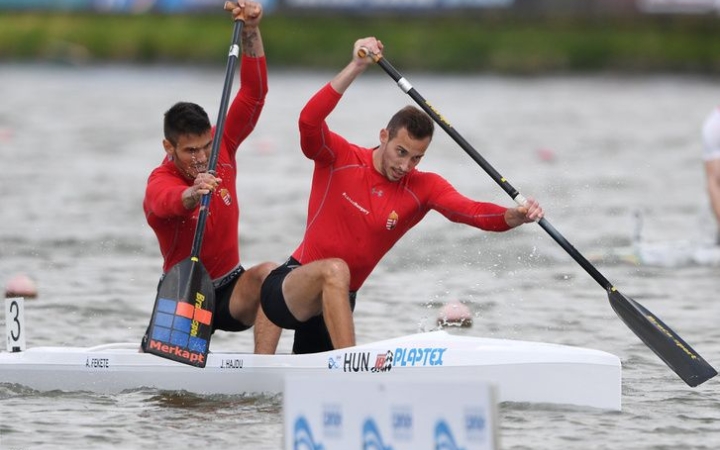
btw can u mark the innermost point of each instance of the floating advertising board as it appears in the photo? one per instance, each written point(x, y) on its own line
point(376, 412)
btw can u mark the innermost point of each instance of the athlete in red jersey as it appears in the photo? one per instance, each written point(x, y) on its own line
point(362, 202)
point(174, 190)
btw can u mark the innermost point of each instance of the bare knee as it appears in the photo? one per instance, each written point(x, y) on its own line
point(259, 272)
point(336, 272)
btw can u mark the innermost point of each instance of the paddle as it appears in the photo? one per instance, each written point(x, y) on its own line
point(673, 350)
point(181, 322)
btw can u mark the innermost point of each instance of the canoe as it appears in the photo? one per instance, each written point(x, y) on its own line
point(521, 371)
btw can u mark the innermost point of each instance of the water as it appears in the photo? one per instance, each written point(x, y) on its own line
point(77, 144)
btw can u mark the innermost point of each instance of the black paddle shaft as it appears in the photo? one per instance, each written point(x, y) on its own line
point(672, 349)
point(232, 64)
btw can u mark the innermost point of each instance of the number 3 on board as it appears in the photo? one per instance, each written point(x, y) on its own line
point(15, 324)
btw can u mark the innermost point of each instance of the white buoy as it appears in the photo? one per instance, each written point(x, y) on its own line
point(456, 314)
point(21, 285)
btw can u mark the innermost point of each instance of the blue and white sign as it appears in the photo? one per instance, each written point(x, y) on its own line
point(399, 412)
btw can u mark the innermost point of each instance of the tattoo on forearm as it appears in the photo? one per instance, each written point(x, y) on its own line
point(248, 43)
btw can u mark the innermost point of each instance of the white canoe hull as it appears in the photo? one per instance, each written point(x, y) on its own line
point(521, 371)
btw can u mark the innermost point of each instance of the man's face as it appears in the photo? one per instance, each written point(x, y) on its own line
point(398, 156)
point(191, 153)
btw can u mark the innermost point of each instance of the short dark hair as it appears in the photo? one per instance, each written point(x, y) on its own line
point(185, 118)
point(417, 123)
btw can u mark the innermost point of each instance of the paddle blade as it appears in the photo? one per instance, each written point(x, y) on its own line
point(181, 323)
point(676, 353)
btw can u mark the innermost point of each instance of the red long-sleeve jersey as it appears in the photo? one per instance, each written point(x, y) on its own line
point(357, 214)
point(173, 224)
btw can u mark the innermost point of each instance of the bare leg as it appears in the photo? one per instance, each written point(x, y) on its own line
point(323, 287)
point(245, 307)
point(266, 334)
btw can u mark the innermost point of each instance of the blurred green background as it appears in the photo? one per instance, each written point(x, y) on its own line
point(519, 37)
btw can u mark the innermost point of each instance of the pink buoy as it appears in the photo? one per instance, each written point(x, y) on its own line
point(6, 135)
point(265, 146)
point(546, 155)
point(21, 286)
point(455, 313)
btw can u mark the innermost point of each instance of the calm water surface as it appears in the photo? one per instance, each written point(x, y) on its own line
point(78, 143)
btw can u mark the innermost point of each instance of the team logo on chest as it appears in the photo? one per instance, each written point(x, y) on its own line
point(391, 221)
point(225, 196)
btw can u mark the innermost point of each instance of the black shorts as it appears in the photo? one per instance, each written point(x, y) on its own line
point(311, 336)
point(222, 319)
